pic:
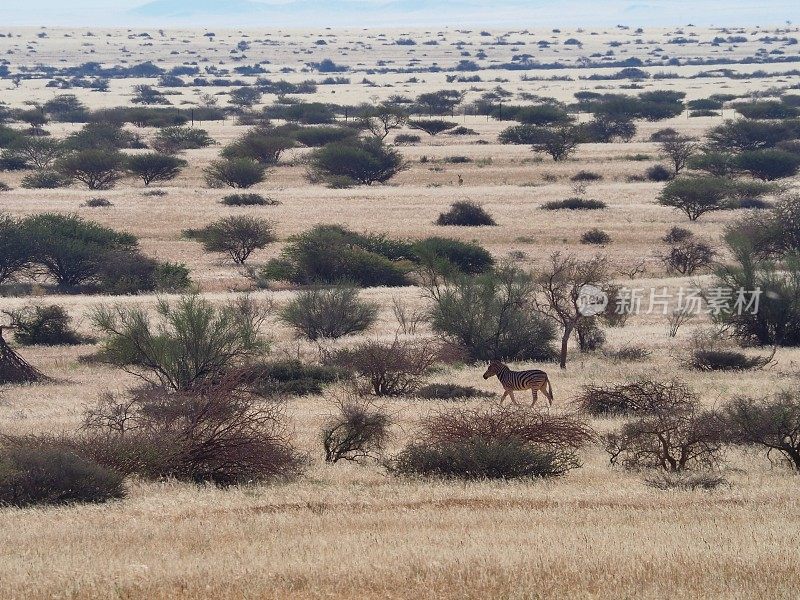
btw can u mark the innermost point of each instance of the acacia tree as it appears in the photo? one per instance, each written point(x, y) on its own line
point(558, 142)
point(153, 166)
point(97, 169)
point(382, 119)
point(678, 150)
point(563, 288)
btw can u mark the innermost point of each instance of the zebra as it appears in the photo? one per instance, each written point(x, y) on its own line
point(533, 380)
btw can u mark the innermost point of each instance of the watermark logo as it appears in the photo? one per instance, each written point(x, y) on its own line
point(592, 301)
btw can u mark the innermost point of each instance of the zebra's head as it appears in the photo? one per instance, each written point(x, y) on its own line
point(494, 368)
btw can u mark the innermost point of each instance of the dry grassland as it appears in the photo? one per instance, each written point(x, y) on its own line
point(351, 531)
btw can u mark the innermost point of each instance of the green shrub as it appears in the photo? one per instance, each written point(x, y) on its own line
point(97, 169)
point(330, 254)
point(480, 459)
point(31, 474)
point(574, 204)
point(317, 137)
point(193, 342)
point(451, 391)
point(432, 126)
point(45, 180)
point(293, 378)
point(153, 166)
point(235, 173)
point(448, 255)
point(491, 316)
point(261, 145)
point(17, 246)
point(405, 139)
point(43, 325)
point(74, 250)
point(237, 236)
point(171, 140)
point(586, 176)
point(769, 164)
point(365, 161)
point(696, 196)
point(329, 313)
point(466, 214)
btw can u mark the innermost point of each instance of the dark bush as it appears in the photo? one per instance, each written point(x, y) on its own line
point(329, 254)
point(171, 140)
point(432, 126)
point(17, 246)
point(586, 176)
point(281, 378)
point(707, 353)
point(574, 204)
point(481, 459)
point(32, 473)
point(595, 236)
point(329, 313)
point(261, 145)
point(664, 480)
point(73, 250)
point(43, 325)
point(445, 255)
point(451, 391)
point(100, 136)
point(696, 196)
point(658, 173)
point(405, 139)
point(466, 214)
point(319, 136)
point(45, 180)
point(248, 200)
point(686, 255)
point(493, 442)
point(769, 164)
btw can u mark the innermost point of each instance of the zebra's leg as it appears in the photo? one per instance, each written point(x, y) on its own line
point(534, 396)
point(503, 397)
point(511, 393)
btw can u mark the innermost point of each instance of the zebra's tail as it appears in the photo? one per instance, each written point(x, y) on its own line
point(549, 392)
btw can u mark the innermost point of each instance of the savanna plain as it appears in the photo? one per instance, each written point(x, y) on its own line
point(355, 528)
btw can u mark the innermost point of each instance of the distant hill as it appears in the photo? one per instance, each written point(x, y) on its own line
point(192, 8)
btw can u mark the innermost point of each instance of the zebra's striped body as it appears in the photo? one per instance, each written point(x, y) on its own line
point(515, 381)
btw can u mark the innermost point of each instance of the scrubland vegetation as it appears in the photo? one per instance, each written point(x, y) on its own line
point(248, 290)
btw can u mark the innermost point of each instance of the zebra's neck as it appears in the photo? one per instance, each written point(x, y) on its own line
point(504, 370)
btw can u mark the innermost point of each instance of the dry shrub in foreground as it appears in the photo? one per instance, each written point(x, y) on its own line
point(219, 432)
point(356, 430)
point(33, 473)
point(493, 442)
point(772, 424)
point(639, 396)
point(675, 434)
point(662, 480)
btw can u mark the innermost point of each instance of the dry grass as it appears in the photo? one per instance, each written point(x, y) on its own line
point(353, 531)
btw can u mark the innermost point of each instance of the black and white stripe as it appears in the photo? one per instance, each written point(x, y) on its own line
point(516, 381)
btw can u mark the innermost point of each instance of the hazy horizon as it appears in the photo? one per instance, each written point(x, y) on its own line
point(395, 13)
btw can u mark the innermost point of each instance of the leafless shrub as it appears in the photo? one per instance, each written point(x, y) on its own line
point(502, 422)
point(675, 435)
point(390, 369)
point(408, 318)
point(220, 432)
point(356, 430)
point(676, 319)
point(639, 396)
point(685, 481)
